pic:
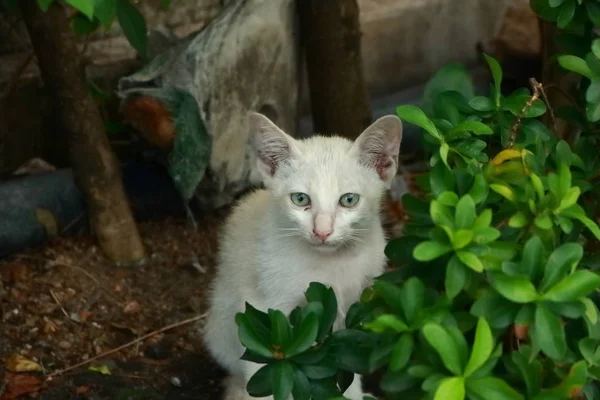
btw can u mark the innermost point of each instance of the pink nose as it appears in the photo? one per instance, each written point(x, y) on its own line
point(322, 235)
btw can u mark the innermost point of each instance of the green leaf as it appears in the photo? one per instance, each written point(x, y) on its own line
point(470, 260)
point(514, 288)
point(430, 250)
point(478, 128)
point(105, 11)
point(448, 199)
point(134, 26)
point(260, 384)
point(303, 336)
point(592, 94)
point(575, 286)
point(482, 348)
point(575, 64)
point(249, 338)
point(543, 222)
point(483, 220)
point(592, 112)
point(555, 3)
point(530, 371)
point(559, 263)
point(503, 191)
point(549, 333)
point(465, 212)
point(491, 388)
point(302, 389)
point(486, 235)
point(282, 380)
point(439, 338)
point(518, 220)
point(444, 149)
point(596, 47)
point(456, 277)
point(45, 4)
point(384, 322)
point(497, 75)
point(391, 294)
point(281, 331)
point(522, 104)
point(81, 25)
point(566, 14)
point(413, 293)
point(415, 116)
point(482, 104)
point(326, 296)
point(190, 156)
point(479, 190)
point(570, 198)
point(451, 389)
point(401, 352)
point(533, 252)
point(578, 213)
point(86, 7)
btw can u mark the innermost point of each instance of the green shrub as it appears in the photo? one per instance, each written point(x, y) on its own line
point(496, 291)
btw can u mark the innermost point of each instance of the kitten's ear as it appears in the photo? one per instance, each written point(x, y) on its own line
point(271, 145)
point(379, 145)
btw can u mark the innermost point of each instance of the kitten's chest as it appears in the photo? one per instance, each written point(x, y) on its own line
point(284, 281)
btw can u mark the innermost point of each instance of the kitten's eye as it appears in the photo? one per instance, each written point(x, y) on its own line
point(300, 199)
point(349, 200)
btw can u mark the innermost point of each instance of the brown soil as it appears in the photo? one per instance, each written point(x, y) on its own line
point(65, 303)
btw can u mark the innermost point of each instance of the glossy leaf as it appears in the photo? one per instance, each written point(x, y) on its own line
point(496, 74)
point(430, 250)
point(105, 11)
point(413, 298)
point(559, 263)
point(385, 322)
point(482, 347)
point(492, 388)
point(456, 277)
point(514, 288)
point(86, 7)
point(283, 380)
point(304, 336)
point(476, 127)
point(249, 338)
point(549, 333)
point(575, 286)
point(575, 64)
point(465, 212)
point(444, 344)
point(417, 117)
point(401, 352)
point(470, 260)
point(281, 331)
point(533, 252)
point(133, 24)
point(451, 389)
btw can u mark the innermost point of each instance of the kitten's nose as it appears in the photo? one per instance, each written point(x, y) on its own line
point(322, 235)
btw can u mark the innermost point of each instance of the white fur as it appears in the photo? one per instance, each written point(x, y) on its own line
point(268, 252)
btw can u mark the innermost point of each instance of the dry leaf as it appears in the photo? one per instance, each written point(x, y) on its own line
point(18, 363)
point(20, 384)
point(82, 389)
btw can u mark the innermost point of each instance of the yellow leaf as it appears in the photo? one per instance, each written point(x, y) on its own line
point(504, 155)
point(18, 363)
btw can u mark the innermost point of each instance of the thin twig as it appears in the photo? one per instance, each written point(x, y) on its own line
point(60, 305)
point(538, 91)
point(115, 350)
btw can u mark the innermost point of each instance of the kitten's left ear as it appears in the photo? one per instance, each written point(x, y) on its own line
point(379, 145)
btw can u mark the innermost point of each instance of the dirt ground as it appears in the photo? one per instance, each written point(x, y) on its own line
point(64, 304)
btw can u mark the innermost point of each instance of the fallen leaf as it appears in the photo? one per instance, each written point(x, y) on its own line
point(48, 221)
point(103, 369)
point(20, 384)
point(18, 363)
point(82, 389)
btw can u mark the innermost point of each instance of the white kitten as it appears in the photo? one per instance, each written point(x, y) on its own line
point(318, 220)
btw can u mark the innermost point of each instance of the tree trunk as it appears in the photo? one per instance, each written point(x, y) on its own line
point(330, 33)
point(95, 167)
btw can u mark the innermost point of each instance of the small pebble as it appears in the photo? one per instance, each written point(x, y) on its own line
point(63, 344)
point(175, 381)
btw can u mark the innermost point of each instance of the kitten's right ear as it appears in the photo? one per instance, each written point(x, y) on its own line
point(271, 145)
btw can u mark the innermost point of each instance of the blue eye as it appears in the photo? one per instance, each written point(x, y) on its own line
point(349, 200)
point(300, 199)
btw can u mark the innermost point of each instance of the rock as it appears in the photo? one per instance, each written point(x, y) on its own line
point(63, 344)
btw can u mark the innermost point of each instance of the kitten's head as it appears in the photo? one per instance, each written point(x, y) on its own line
point(328, 189)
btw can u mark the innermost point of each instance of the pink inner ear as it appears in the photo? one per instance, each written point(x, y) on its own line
point(383, 163)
